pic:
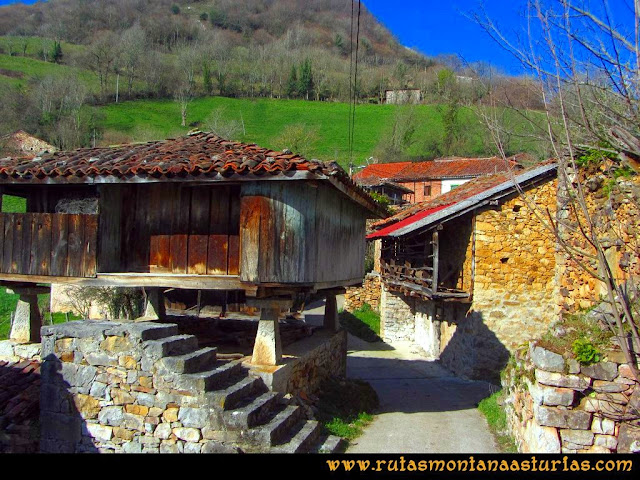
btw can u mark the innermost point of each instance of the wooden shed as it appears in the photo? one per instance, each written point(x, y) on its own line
point(196, 212)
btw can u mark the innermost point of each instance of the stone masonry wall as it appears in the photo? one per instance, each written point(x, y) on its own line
point(369, 293)
point(616, 216)
point(515, 288)
point(101, 392)
point(556, 405)
point(397, 323)
point(317, 365)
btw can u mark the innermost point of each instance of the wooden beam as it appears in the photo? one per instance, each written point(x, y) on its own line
point(190, 282)
point(436, 245)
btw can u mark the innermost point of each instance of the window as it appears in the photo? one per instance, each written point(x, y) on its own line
point(427, 190)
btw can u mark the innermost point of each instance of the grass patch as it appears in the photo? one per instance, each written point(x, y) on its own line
point(575, 328)
point(364, 323)
point(346, 406)
point(491, 408)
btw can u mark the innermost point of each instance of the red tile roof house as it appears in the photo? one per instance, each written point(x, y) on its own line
point(471, 275)
point(426, 180)
point(196, 213)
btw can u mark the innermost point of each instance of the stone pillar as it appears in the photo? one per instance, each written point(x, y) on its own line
point(27, 320)
point(331, 322)
point(267, 349)
point(155, 309)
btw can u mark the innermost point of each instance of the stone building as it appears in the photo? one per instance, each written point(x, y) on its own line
point(470, 275)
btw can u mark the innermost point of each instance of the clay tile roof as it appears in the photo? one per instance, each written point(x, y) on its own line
point(373, 174)
point(463, 192)
point(452, 167)
point(201, 155)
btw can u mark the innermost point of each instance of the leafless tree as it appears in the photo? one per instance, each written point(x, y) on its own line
point(587, 66)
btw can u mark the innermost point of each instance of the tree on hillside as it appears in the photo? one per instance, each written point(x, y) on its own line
point(292, 84)
point(588, 67)
point(306, 84)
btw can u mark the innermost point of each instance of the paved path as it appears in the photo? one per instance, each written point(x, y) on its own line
point(423, 408)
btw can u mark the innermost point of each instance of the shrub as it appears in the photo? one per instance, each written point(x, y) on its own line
point(585, 352)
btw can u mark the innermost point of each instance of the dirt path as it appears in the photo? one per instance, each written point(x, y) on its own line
point(423, 408)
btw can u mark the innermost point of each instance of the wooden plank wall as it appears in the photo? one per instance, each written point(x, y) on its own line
point(161, 228)
point(341, 227)
point(48, 244)
point(278, 232)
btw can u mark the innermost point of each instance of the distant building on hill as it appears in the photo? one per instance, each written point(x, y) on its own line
point(403, 96)
point(425, 180)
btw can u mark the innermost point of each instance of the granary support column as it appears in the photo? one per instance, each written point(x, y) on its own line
point(155, 309)
point(331, 322)
point(27, 320)
point(267, 349)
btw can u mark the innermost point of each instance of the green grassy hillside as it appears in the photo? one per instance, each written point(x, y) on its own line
point(263, 121)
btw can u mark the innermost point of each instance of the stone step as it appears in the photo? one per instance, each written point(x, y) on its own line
point(146, 331)
point(302, 438)
point(278, 428)
point(329, 444)
point(174, 345)
point(232, 396)
point(198, 361)
point(253, 413)
point(210, 380)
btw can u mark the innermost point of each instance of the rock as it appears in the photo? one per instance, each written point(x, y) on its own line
point(170, 415)
point(573, 365)
point(192, 448)
point(601, 371)
point(603, 426)
point(123, 433)
point(187, 434)
point(565, 381)
point(133, 422)
point(629, 438)
point(602, 386)
point(162, 431)
point(558, 396)
point(99, 432)
point(547, 360)
point(6, 348)
point(218, 447)
point(603, 407)
point(607, 441)
point(571, 419)
point(193, 417)
point(578, 437)
point(539, 439)
point(87, 406)
point(132, 447)
point(113, 416)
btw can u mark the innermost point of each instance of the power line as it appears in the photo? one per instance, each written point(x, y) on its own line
point(353, 81)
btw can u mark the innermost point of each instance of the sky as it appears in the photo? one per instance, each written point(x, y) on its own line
point(440, 27)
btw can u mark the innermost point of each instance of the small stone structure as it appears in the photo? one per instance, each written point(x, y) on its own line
point(556, 405)
point(143, 387)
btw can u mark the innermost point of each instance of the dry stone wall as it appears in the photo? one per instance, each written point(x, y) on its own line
point(103, 392)
point(556, 405)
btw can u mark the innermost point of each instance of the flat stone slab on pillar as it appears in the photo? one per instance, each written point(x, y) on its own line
point(27, 320)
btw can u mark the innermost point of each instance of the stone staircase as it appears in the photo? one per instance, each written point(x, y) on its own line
point(247, 415)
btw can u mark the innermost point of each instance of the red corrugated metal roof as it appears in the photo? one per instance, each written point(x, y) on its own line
point(407, 221)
